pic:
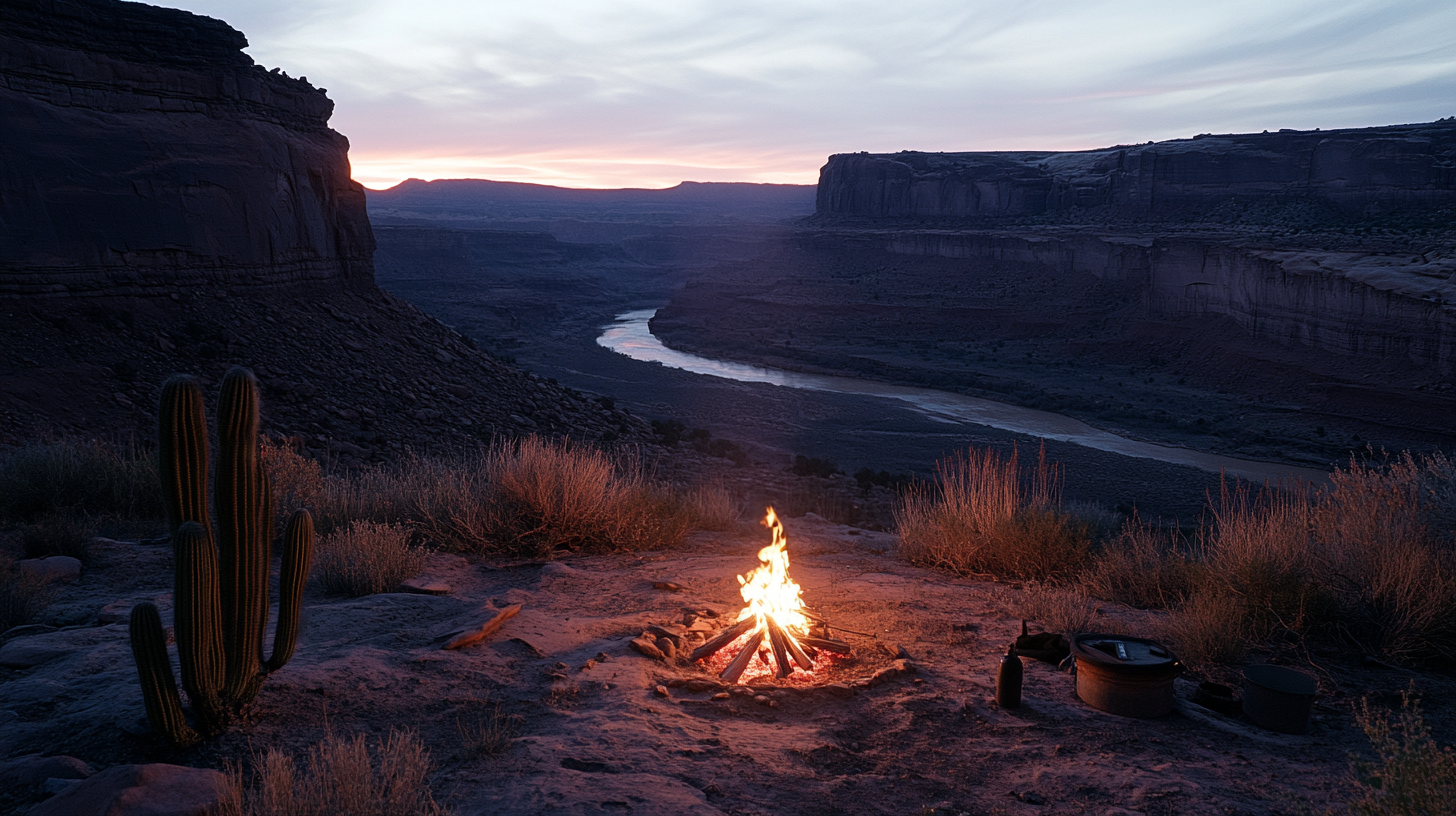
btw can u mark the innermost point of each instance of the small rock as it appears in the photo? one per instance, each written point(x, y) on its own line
point(424, 586)
point(722, 695)
point(54, 568)
point(114, 612)
point(698, 685)
point(667, 647)
point(602, 657)
point(133, 790)
point(644, 646)
point(589, 665)
point(661, 691)
point(839, 690)
point(676, 682)
point(762, 700)
point(667, 586)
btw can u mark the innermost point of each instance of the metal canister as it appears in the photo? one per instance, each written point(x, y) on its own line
point(1125, 675)
point(1008, 680)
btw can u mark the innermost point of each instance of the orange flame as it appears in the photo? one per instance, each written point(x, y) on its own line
point(768, 589)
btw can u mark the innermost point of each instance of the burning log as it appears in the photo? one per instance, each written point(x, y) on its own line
point(778, 635)
point(827, 644)
point(780, 644)
point(745, 656)
point(723, 638)
point(485, 630)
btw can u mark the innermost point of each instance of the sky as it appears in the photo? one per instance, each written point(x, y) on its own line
point(648, 93)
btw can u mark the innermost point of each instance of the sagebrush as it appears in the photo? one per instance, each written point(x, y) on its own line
point(340, 776)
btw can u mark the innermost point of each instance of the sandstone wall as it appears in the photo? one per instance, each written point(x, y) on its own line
point(1348, 303)
point(1312, 175)
point(143, 151)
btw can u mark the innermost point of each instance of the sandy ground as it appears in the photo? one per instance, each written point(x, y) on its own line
point(593, 734)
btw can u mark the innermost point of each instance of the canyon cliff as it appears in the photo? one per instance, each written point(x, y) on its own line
point(167, 206)
point(144, 151)
point(1311, 177)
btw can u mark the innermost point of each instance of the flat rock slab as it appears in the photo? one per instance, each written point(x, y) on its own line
point(55, 568)
point(138, 790)
point(424, 586)
point(27, 653)
point(33, 770)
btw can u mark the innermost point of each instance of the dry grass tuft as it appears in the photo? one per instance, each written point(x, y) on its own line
point(366, 558)
point(485, 729)
point(1066, 610)
point(1146, 567)
point(78, 477)
point(1412, 775)
point(984, 515)
point(1208, 628)
point(343, 776)
point(527, 498)
point(713, 508)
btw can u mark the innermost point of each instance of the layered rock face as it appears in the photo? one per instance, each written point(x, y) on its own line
point(1317, 176)
point(144, 151)
point(1391, 305)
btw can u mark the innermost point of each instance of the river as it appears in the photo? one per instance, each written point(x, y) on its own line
point(631, 336)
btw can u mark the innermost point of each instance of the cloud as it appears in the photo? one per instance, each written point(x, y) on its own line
point(648, 93)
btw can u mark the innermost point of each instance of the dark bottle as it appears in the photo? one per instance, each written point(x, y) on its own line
point(1008, 680)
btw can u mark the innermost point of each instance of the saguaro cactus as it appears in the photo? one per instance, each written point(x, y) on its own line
point(221, 589)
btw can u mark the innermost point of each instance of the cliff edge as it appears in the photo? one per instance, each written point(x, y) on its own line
point(1305, 178)
point(145, 151)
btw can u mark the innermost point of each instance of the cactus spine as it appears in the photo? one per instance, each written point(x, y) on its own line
point(221, 591)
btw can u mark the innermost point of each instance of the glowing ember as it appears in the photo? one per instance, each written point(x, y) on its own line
point(772, 627)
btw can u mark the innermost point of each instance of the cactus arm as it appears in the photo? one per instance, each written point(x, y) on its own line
point(182, 450)
point(297, 557)
point(199, 626)
point(159, 688)
point(242, 539)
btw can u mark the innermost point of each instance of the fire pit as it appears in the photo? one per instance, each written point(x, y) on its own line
point(774, 634)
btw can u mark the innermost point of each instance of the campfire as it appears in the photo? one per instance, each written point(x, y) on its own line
point(775, 634)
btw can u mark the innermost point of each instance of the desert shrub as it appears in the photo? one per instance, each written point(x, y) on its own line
point(984, 515)
point(78, 477)
point(546, 496)
point(341, 776)
point(1260, 548)
point(366, 558)
point(712, 507)
point(529, 497)
point(1146, 567)
point(22, 596)
point(1068, 610)
point(813, 466)
point(297, 481)
point(1392, 575)
point(1412, 775)
point(1208, 627)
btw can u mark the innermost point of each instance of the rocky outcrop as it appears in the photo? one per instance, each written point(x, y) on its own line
point(1309, 177)
point(1358, 303)
point(144, 151)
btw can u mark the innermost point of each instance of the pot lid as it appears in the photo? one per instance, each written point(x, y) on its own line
point(1123, 652)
